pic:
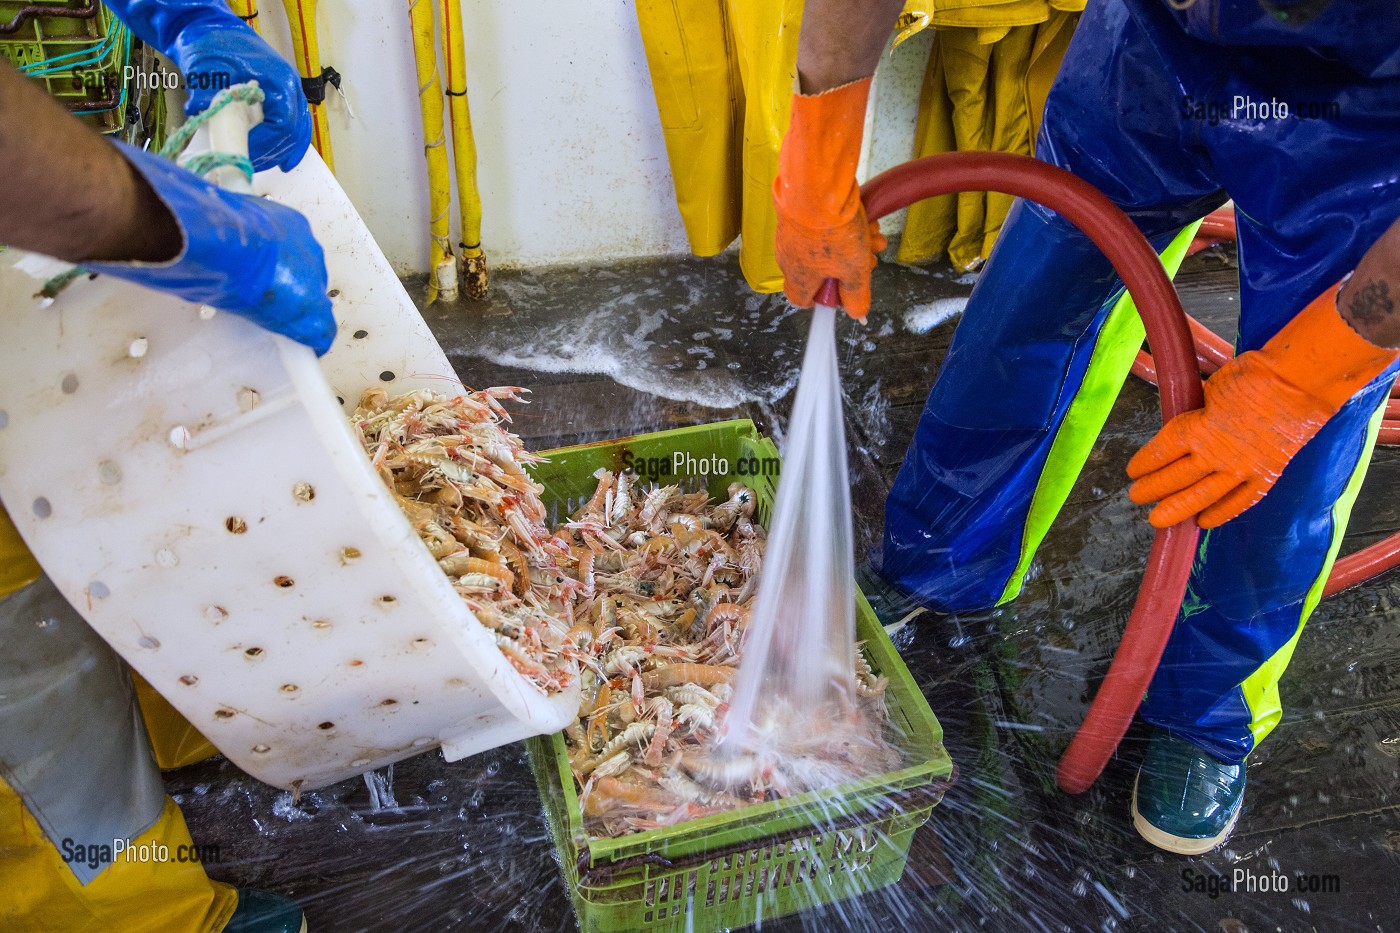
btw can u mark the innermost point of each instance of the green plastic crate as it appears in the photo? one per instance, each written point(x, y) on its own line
point(764, 861)
point(78, 59)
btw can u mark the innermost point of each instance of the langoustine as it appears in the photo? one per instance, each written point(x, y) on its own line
point(460, 479)
point(665, 583)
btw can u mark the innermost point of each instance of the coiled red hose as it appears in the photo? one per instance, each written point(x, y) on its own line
point(1169, 561)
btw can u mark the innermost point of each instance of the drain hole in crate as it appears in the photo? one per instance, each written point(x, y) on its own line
point(348, 554)
point(42, 507)
point(285, 582)
point(248, 398)
point(224, 713)
point(388, 600)
point(321, 624)
point(98, 590)
point(235, 525)
point(386, 376)
point(360, 334)
point(333, 293)
point(290, 689)
point(179, 437)
point(261, 749)
point(303, 492)
point(216, 614)
point(326, 726)
point(69, 385)
point(137, 348)
point(147, 642)
point(253, 652)
point(189, 680)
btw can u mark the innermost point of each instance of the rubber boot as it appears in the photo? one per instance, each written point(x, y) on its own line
point(1185, 800)
point(265, 912)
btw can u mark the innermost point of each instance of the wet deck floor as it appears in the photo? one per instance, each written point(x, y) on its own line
point(630, 348)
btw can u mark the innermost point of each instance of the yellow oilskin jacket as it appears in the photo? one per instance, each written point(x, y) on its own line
point(723, 74)
point(989, 71)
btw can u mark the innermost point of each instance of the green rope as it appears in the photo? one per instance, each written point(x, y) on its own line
point(206, 162)
point(201, 164)
point(248, 93)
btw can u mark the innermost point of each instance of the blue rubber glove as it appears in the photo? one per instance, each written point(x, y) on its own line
point(215, 49)
point(241, 253)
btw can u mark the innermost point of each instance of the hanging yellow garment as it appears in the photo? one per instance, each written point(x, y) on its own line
point(988, 72)
point(1051, 42)
point(723, 72)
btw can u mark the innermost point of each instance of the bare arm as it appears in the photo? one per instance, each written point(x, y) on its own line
point(69, 193)
point(1370, 300)
point(841, 41)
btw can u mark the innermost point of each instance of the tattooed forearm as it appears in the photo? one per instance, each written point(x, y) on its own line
point(1368, 300)
point(1370, 303)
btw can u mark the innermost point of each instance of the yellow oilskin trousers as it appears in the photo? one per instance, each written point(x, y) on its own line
point(175, 742)
point(40, 891)
point(989, 71)
point(723, 72)
point(41, 895)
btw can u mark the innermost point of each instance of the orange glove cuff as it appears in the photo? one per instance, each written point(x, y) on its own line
point(816, 183)
point(1320, 353)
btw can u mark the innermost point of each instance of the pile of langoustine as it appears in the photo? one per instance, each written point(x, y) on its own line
point(459, 477)
point(646, 593)
point(669, 578)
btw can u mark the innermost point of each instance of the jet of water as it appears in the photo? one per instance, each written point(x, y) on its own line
point(797, 672)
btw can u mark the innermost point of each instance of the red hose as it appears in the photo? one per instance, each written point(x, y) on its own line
point(1363, 565)
point(1169, 562)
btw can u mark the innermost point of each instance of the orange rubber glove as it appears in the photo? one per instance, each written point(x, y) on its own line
point(822, 229)
point(1261, 408)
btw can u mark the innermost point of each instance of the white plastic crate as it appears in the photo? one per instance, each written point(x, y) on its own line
point(191, 483)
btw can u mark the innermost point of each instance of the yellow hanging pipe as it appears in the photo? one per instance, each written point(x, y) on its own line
point(301, 14)
point(473, 258)
point(246, 10)
point(442, 279)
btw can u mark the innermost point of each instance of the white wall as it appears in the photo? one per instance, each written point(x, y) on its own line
point(889, 132)
point(572, 164)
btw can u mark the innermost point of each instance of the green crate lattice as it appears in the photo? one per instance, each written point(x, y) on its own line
point(78, 60)
point(760, 862)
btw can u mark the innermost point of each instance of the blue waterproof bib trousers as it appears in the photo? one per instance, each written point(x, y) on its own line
point(1152, 110)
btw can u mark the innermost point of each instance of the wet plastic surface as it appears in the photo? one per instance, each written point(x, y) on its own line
point(465, 847)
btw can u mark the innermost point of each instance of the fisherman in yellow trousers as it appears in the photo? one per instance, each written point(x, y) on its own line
point(89, 842)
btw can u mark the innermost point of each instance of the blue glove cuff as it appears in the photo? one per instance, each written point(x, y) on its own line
point(239, 253)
